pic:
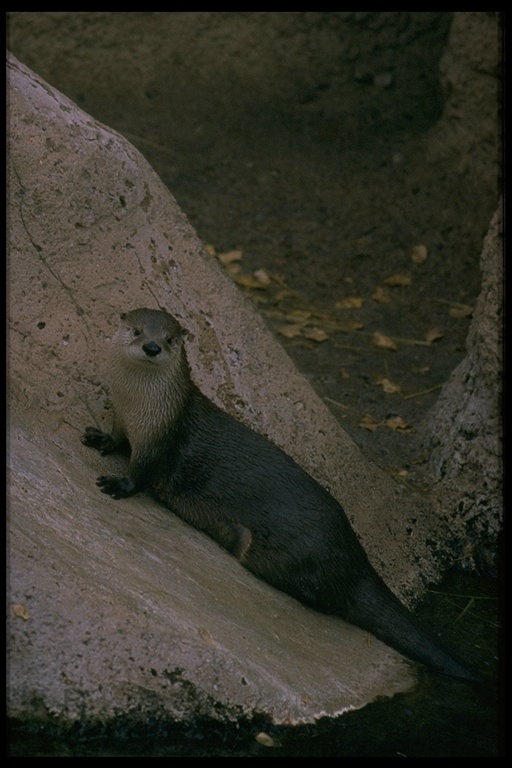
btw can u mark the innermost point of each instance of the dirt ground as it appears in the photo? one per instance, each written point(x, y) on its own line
point(325, 240)
point(360, 251)
point(333, 276)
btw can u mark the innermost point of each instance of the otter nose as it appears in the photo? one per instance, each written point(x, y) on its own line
point(151, 349)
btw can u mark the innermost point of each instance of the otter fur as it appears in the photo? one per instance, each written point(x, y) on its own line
point(235, 485)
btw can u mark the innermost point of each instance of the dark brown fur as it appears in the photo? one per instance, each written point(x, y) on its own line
point(235, 485)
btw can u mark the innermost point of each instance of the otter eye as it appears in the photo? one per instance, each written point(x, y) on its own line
point(136, 332)
point(170, 340)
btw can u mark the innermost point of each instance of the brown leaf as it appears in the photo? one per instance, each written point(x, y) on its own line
point(229, 257)
point(316, 334)
point(382, 341)
point(286, 293)
point(460, 310)
point(397, 424)
point(206, 635)
point(21, 611)
point(266, 740)
point(346, 327)
point(368, 423)
point(381, 295)
point(279, 278)
point(352, 302)
point(397, 472)
point(233, 269)
point(298, 315)
point(387, 385)
point(419, 254)
point(211, 250)
point(291, 331)
point(262, 277)
point(433, 335)
point(397, 280)
point(353, 325)
point(248, 281)
point(259, 299)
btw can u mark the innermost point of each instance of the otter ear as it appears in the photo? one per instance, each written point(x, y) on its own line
point(123, 316)
point(186, 334)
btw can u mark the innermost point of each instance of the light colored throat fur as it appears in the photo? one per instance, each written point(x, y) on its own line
point(147, 398)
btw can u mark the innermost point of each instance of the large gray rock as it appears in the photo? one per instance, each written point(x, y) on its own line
point(464, 435)
point(119, 607)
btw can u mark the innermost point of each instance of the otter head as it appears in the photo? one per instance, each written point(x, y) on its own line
point(149, 338)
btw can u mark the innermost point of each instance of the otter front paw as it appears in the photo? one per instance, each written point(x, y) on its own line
point(117, 487)
point(102, 441)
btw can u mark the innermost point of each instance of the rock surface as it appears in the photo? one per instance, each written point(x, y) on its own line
point(119, 607)
point(464, 435)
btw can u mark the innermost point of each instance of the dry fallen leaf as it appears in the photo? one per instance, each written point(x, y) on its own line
point(248, 281)
point(433, 335)
point(279, 278)
point(266, 740)
point(291, 331)
point(351, 325)
point(397, 280)
point(262, 277)
point(460, 310)
point(368, 423)
point(397, 424)
point(229, 257)
point(352, 302)
point(397, 472)
point(387, 385)
point(298, 315)
point(286, 293)
point(21, 611)
point(206, 636)
point(381, 295)
point(211, 250)
point(316, 334)
point(419, 254)
point(233, 269)
point(382, 341)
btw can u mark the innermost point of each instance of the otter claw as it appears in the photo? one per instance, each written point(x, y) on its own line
point(116, 487)
point(95, 438)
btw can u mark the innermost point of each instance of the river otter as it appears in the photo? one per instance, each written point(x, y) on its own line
point(237, 486)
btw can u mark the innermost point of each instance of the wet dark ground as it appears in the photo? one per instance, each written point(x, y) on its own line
point(329, 220)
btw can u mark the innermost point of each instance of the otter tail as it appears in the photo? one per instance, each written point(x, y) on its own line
point(377, 610)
